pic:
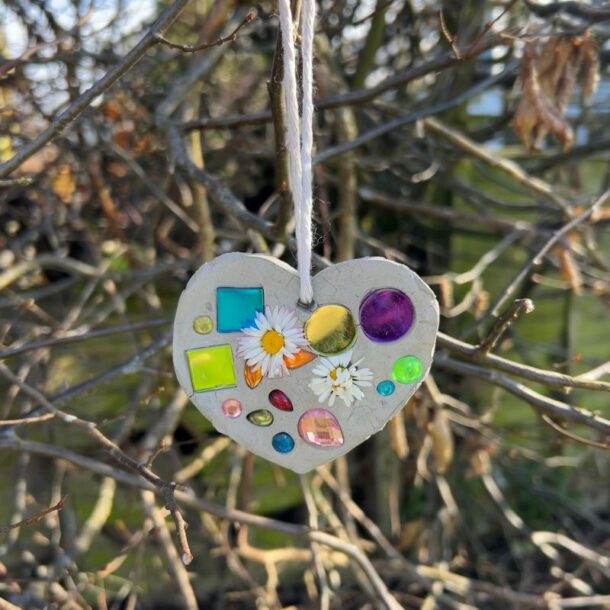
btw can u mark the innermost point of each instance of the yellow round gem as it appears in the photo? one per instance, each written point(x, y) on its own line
point(203, 325)
point(330, 330)
point(272, 342)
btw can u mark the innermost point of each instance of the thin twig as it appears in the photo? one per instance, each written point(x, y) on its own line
point(153, 187)
point(450, 38)
point(232, 37)
point(23, 421)
point(325, 591)
point(206, 455)
point(489, 24)
point(98, 517)
point(513, 313)
point(176, 567)
point(92, 334)
point(378, 9)
point(600, 560)
point(278, 113)
point(492, 223)
point(574, 437)
point(541, 403)
point(412, 117)
point(578, 9)
point(130, 366)
point(388, 601)
point(21, 181)
point(514, 170)
point(170, 503)
point(543, 376)
point(34, 518)
point(537, 259)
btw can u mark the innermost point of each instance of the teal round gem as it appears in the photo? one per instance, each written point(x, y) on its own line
point(282, 442)
point(407, 369)
point(385, 388)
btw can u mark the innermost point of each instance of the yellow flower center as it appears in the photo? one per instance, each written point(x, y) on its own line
point(333, 372)
point(272, 342)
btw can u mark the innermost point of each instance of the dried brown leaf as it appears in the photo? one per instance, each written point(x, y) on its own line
point(411, 531)
point(480, 462)
point(398, 436)
point(567, 81)
point(552, 59)
point(446, 293)
point(63, 184)
point(590, 67)
point(549, 73)
point(442, 441)
point(569, 271)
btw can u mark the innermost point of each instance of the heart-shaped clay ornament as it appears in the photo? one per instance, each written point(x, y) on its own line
point(301, 387)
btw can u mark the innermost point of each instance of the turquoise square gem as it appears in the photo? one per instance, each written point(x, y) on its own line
point(236, 308)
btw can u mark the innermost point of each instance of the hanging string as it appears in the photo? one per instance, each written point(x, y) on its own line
point(299, 135)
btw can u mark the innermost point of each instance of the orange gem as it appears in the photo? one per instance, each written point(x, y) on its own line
point(252, 376)
point(299, 359)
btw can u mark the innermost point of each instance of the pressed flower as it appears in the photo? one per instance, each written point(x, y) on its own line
point(337, 376)
point(276, 334)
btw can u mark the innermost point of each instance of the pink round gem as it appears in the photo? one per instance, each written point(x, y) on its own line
point(320, 427)
point(232, 408)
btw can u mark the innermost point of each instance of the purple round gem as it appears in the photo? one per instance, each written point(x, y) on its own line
point(386, 315)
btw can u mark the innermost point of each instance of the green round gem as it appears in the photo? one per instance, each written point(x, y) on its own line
point(203, 325)
point(407, 369)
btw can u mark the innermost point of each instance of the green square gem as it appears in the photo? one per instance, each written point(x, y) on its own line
point(211, 368)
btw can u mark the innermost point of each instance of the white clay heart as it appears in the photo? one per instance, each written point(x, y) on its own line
point(379, 316)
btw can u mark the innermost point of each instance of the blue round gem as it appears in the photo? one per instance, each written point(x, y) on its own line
point(282, 442)
point(385, 387)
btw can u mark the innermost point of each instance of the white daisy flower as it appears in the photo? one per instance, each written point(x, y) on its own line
point(337, 377)
point(276, 334)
